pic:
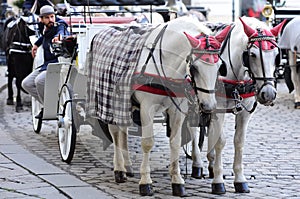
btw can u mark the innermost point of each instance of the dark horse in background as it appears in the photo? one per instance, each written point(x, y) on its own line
point(17, 46)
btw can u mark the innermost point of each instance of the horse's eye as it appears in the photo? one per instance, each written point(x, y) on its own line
point(252, 55)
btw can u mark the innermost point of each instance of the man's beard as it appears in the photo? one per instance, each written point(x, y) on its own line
point(50, 24)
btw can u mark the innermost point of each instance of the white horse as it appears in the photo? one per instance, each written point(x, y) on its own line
point(249, 54)
point(290, 40)
point(171, 52)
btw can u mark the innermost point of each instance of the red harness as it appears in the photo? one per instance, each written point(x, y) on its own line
point(244, 87)
point(161, 86)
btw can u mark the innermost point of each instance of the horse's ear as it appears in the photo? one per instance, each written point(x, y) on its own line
point(277, 29)
point(193, 41)
point(247, 29)
point(223, 34)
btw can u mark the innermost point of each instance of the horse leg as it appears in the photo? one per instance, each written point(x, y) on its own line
point(19, 105)
point(147, 142)
point(295, 76)
point(118, 135)
point(240, 182)
point(176, 120)
point(211, 162)
point(10, 99)
point(126, 156)
point(197, 165)
point(216, 143)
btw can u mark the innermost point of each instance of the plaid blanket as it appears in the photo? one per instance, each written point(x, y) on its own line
point(110, 65)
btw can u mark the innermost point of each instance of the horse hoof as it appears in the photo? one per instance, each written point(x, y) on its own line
point(146, 190)
point(197, 172)
point(9, 102)
point(297, 105)
point(218, 188)
point(120, 177)
point(210, 172)
point(178, 190)
point(19, 108)
point(129, 171)
point(241, 187)
point(130, 174)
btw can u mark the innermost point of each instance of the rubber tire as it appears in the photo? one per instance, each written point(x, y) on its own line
point(66, 114)
point(35, 110)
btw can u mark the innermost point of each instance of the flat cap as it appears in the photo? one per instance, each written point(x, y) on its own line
point(46, 10)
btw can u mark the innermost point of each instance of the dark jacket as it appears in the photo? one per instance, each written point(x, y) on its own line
point(46, 40)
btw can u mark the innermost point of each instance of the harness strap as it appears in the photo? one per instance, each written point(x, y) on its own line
point(160, 34)
point(229, 55)
point(237, 91)
point(205, 90)
point(152, 83)
point(18, 51)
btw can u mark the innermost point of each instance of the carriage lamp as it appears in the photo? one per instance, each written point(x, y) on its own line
point(267, 11)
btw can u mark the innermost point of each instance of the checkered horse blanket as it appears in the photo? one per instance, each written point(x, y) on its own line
point(111, 63)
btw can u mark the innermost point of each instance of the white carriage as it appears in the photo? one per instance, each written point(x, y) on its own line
point(65, 87)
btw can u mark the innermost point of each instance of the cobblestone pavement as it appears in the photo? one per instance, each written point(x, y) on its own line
point(271, 155)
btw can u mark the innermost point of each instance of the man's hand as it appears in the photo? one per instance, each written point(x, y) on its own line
point(33, 50)
point(56, 39)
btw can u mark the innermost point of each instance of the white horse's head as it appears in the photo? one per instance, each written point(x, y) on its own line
point(204, 65)
point(260, 56)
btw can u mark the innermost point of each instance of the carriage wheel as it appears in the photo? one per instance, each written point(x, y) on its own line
point(35, 110)
point(66, 127)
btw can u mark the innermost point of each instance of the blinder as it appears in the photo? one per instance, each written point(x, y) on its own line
point(223, 69)
point(278, 58)
point(245, 58)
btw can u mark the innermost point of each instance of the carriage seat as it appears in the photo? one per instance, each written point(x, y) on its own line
point(71, 21)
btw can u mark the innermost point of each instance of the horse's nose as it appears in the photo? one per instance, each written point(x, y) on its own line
point(266, 96)
point(207, 107)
